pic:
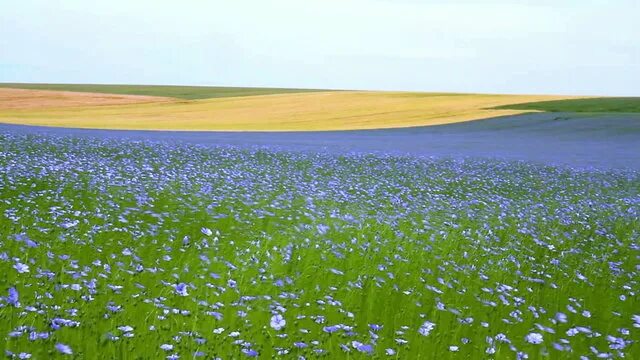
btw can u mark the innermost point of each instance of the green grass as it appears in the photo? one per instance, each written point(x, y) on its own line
point(596, 105)
point(482, 249)
point(181, 92)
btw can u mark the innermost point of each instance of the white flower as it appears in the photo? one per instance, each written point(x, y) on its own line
point(534, 338)
point(278, 322)
point(166, 347)
point(453, 348)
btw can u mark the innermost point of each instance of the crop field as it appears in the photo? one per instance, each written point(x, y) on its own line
point(25, 100)
point(591, 105)
point(243, 110)
point(141, 249)
point(173, 91)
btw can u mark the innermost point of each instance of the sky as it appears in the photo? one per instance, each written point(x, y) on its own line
point(582, 47)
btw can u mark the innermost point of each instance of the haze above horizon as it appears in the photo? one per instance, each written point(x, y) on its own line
point(499, 46)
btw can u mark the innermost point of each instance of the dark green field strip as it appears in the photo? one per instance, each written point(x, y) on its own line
point(596, 105)
point(181, 92)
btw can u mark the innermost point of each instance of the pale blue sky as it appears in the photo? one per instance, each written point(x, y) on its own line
point(500, 46)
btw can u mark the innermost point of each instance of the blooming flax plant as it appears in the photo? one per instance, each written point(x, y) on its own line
point(123, 249)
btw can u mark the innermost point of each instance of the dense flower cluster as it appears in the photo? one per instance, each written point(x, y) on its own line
point(161, 250)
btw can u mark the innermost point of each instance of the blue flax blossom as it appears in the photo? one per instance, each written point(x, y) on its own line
point(181, 289)
point(250, 352)
point(426, 328)
point(13, 298)
point(278, 322)
point(21, 268)
point(64, 349)
point(534, 338)
point(365, 348)
point(331, 329)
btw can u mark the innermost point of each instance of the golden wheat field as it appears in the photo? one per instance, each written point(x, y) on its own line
point(27, 99)
point(323, 110)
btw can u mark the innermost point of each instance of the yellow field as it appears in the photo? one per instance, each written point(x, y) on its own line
point(296, 112)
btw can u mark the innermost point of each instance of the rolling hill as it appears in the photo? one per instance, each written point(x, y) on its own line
point(246, 109)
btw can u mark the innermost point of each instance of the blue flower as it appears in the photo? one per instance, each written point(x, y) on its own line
point(426, 328)
point(277, 322)
point(181, 289)
point(64, 349)
point(21, 268)
point(250, 352)
point(13, 298)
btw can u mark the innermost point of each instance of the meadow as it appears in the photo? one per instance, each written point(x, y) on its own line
point(590, 105)
point(141, 249)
